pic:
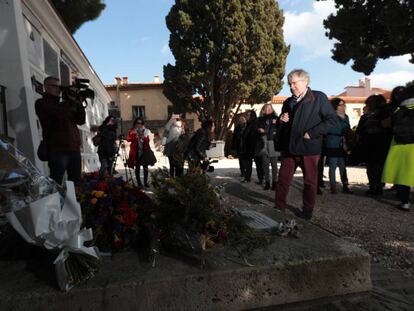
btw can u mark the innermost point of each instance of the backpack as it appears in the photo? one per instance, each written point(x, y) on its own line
point(96, 140)
point(403, 125)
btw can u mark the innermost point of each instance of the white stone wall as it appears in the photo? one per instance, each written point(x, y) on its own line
point(24, 26)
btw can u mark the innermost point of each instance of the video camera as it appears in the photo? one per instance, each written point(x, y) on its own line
point(206, 167)
point(79, 89)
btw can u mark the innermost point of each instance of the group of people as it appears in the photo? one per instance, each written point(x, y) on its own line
point(313, 131)
point(309, 130)
point(253, 140)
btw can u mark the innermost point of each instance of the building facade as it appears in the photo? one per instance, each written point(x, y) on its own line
point(34, 44)
point(144, 100)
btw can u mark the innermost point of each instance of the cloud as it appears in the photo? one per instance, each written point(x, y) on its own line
point(305, 30)
point(165, 49)
point(392, 79)
point(402, 61)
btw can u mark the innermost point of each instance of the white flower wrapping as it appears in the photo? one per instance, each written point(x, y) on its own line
point(45, 218)
point(45, 223)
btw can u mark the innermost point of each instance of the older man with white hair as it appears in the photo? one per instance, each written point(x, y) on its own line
point(306, 116)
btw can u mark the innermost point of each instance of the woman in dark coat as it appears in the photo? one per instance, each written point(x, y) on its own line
point(107, 145)
point(334, 147)
point(199, 144)
point(375, 137)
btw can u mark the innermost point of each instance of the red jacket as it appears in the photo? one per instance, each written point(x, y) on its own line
point(133, 148)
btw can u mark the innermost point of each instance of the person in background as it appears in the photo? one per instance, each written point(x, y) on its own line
point(253, 147)
point(266, 124)
point(199, 144)
point(237, 142)
point(107, 145)
point(173, 130)
point(59, 121)
point(139, 137)
point(375, 138)
point(334, 147)
point(399, 165)
point(306, 116)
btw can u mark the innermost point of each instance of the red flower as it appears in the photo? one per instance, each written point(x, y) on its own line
point(129, 217)
point(103, 186)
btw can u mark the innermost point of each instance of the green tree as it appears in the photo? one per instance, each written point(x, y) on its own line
point(77, 12)
point(227, 52)
point(368, 30)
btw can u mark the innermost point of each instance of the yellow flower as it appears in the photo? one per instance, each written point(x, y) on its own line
point(99, 194)
point(209, 243)
point(93, 201)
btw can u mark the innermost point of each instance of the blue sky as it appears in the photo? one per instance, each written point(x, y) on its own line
point(130, 38)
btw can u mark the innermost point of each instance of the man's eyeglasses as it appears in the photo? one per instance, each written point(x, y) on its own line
point(53, 85)
point(295, 82)
point(138, 123)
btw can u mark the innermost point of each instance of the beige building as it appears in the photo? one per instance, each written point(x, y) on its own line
point(144, 100)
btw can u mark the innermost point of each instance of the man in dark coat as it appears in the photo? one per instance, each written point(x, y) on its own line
point(306, 116)
point(59, 120)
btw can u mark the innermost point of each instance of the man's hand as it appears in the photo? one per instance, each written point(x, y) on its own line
point(260, 130)
point(284, 117)
point(306, 136)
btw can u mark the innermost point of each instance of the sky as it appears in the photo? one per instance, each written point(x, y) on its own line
point(130, 38)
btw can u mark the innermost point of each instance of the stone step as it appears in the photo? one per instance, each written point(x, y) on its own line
point(317, 265)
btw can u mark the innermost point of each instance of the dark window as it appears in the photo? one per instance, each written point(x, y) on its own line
point(51, 60)
point(138, 111)
point(64, 74)
point(3, 111)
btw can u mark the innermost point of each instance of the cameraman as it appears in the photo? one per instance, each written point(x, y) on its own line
point(59, 122)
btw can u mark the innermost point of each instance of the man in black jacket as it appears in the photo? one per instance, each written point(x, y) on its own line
point(306, 116)
point(59, 120)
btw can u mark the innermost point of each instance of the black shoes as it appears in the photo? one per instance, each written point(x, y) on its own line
point(373, 192)
point(267, 186)
point(346, 190)
point(305, 215)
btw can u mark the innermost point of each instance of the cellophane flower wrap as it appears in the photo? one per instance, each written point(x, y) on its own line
point(49, 216)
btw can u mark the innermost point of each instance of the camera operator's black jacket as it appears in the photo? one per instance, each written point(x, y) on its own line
point(107, 146)
point(59, 122)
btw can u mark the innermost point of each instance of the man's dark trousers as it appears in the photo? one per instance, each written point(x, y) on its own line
point(309, 166)
point(61, 161)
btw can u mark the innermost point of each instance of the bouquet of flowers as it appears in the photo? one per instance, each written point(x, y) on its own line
point(112, 208)
point(47, 215)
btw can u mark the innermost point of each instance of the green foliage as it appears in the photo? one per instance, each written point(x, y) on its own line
point(193, 202)
point(77, 12)
point(369, 30)
point(227, 52)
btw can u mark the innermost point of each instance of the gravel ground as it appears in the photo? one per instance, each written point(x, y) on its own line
point(374, 224)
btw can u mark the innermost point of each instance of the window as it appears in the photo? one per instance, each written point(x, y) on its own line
point(3, 111)
point(356, 112)
point(64, 74)
point(51, 60)
point(138, 111)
